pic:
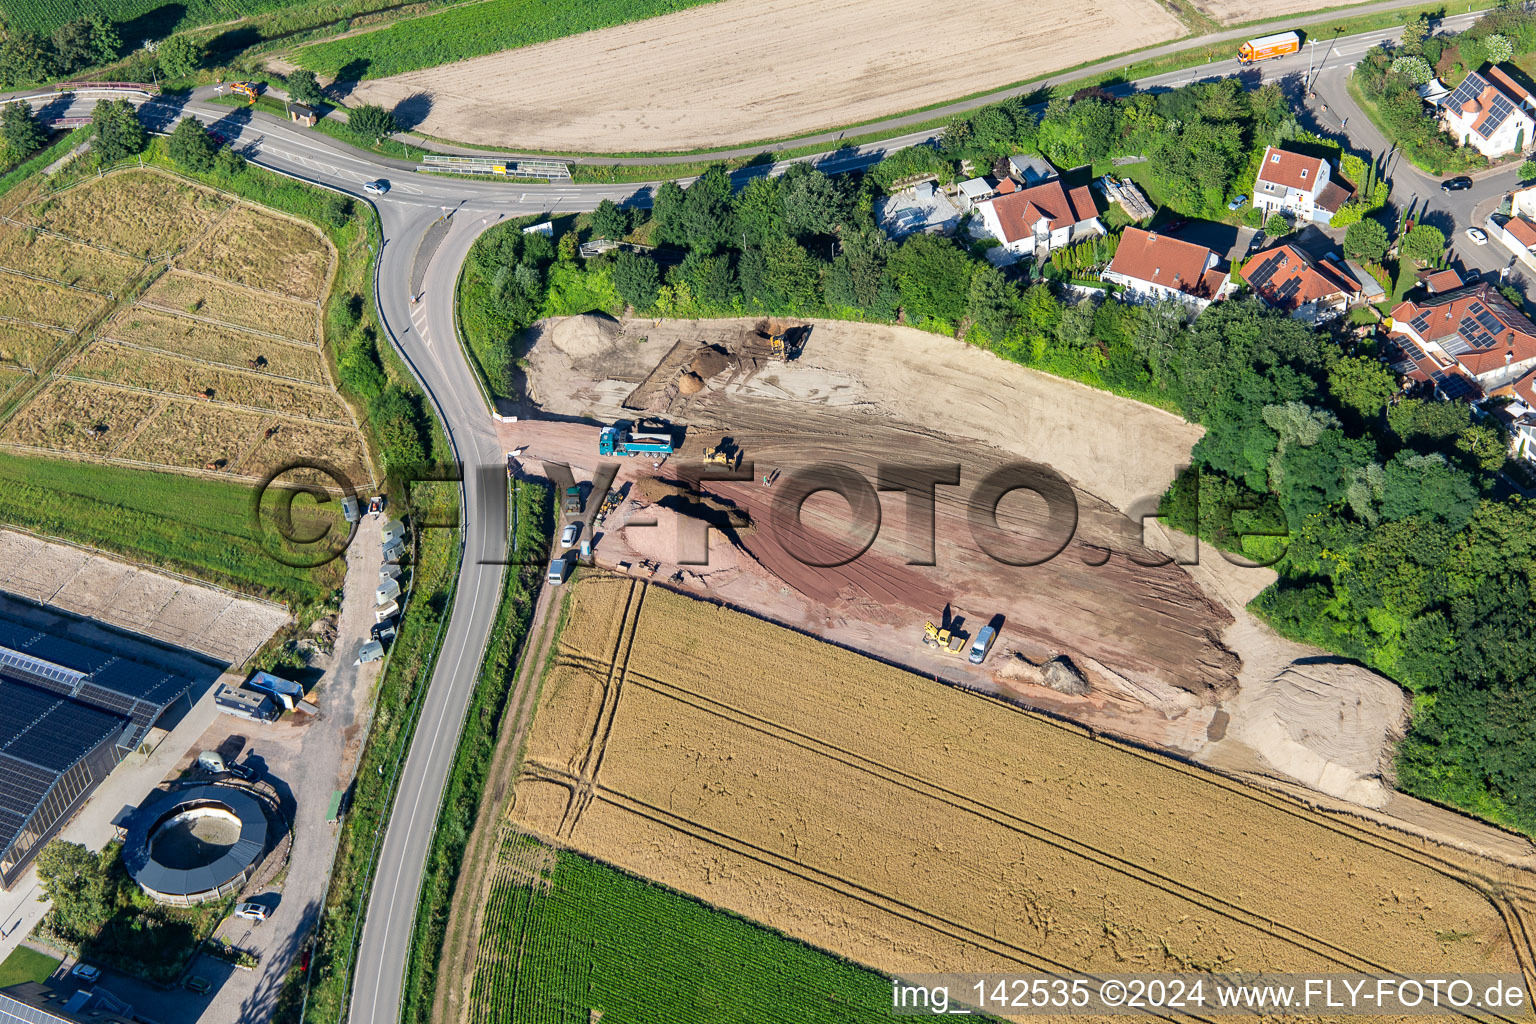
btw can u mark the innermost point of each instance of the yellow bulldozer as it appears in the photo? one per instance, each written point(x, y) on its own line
point(726, 453)
point(945, 641)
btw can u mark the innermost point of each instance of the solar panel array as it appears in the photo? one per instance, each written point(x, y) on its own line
point(1261, 277)
point(1498, 111)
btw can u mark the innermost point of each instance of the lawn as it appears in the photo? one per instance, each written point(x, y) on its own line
point(575, 937)
point(198, 526)
point(471, 31)
point(26, 964)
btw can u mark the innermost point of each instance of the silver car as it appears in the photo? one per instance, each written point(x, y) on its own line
point(376, 188)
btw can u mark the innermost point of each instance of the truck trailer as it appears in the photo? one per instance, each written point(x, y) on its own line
point(613, 441)
point(1265, 47)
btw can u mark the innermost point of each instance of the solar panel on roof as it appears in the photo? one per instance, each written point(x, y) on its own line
point(1420, 322)
point(1266, 271)
point(1489, 322)
point(1455, 386)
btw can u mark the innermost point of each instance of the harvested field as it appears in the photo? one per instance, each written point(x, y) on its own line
point(28, 346)
point(67, 416)
point(198, 339)
point(10, 377)
point(1232, 12)
point(39, 302)
point(191, 435)
point(663, 78)
point(263, 250)
point(136, 368)
point(911, 826)
point(144, 213)
point(58, 259)
point(339, 446)
point(239, 307)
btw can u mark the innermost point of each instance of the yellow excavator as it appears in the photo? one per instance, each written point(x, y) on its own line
point(945, 641)
point(246, 89)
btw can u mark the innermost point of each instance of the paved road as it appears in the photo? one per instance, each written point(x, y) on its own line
point(424, 334)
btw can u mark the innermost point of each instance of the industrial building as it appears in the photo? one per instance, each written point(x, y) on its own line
point(72, 713)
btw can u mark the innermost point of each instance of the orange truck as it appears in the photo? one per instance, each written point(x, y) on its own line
point(1265, 47)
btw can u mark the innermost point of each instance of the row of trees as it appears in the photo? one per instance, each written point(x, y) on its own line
point(86, 42)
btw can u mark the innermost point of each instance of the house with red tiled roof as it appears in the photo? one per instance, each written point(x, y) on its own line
point(1491, 112)
point(1287, 278)
point(1150, 267)
point(1518, 235)
point(1519, 415)
point(1039, 218)
point(1301, 187)
point(1471, 332)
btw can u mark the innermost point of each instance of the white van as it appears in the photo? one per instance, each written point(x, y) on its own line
point(982, 644)
point(557, 571)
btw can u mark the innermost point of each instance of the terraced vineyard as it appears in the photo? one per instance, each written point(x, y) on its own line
point(911, 826)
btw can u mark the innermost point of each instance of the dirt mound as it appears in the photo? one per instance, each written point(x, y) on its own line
point(690, 383)
point(654, 490)
point(711, 360)
point(1327, 723)
point(1058, 673)
point(587, 335)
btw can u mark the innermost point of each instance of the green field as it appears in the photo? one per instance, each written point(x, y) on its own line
point(43, 16)
point(472, 30)
point(570, 938)
point(201, 527)
point(26, 964)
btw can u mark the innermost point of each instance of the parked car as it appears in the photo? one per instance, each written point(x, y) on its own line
point(199, 985)
point(349, 509)
point(86, 973)
point(376, 504)
point(1477, 235)
point(376, 188)
point(568, 535)
point(1457, 184)
point(240, 771)
point(251, 912)
point(1237, 202)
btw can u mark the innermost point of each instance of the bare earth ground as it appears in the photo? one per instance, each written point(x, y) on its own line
point(1171, 653)
point(907, 825)
point(744, 70)
point(1232, 12)
point(169, 608)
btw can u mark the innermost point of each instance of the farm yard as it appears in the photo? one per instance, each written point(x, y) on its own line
point(664, 78)
point(217, 366)
point(670, 743)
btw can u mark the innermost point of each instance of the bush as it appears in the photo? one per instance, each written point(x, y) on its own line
point(371, 122)
point(1277, 226)
point(1366, 240)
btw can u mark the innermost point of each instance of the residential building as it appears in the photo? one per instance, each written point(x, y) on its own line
point(1436, 281)
point(1301, 187)
point(919, 208)
point(1028, 171)
point(33, 1002)
point(1471, 332)
point(1151, 267)
point(1037, 219)
point(1517, 234)
point(1491, 112)
point(1519, 415)
point(1287, 278)
point(975, 190)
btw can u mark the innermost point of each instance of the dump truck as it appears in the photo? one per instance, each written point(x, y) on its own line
point(1265, 47)
point(572, 499)
point(614, 441)
point(945, 641)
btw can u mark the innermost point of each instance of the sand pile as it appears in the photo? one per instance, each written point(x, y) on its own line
point(1327, 723)
point(690, 383)
point(587, 335)
point(711, 360)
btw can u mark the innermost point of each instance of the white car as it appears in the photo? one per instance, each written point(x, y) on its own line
point(568, 536)
point(86, 973)
point(376, 188)
point(251, 912)
point(1477, 235)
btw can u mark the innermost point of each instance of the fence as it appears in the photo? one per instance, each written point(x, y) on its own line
point(153, 90)
point(495, 166)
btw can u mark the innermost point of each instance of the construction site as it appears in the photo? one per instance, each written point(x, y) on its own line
point(785, 469)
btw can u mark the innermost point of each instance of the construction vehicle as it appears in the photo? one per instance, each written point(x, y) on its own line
point(614, 441)
point(726, 453)
point(945, 641)
point(572, 499)
point(610, 502)
point(247, 89)
point(1266, 47)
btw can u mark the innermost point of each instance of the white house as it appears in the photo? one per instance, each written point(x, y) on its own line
point(1285, 277)
point(1150, 267)
point(1035, 220)
point(1519, 416)
point(1299, 186)
point(1473, 332)
point(1491, 112)
point(1517, 234)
